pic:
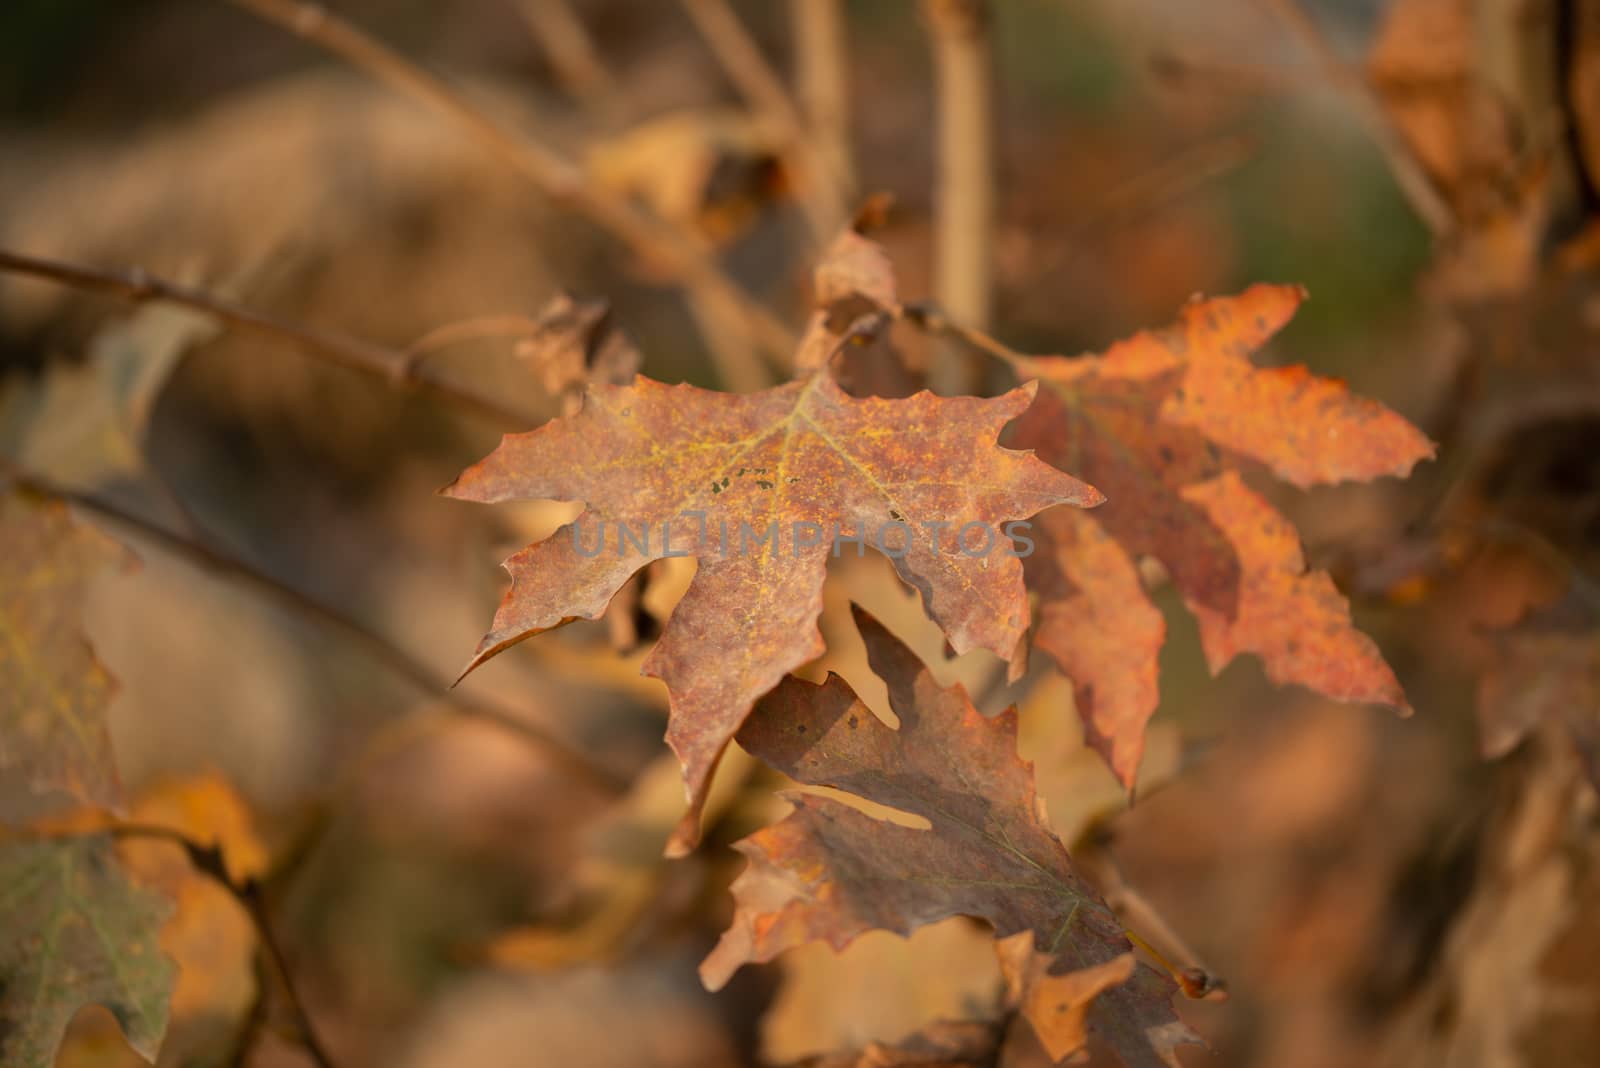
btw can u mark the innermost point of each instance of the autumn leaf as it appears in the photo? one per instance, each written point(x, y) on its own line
point(1546, 668)
point(853, 282)
point(53, 692)
point(755, 487)
point(830, 872)
point(575, 342)
point(1162, 422)
point(77, 933)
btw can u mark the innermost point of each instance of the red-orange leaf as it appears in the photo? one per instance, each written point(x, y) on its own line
point(1161, 422)
point(1293, 619)
point(1095, 621)
point(719, 472)
point(828, 871)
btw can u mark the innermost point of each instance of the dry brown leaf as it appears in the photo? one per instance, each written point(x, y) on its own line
point(829, 871)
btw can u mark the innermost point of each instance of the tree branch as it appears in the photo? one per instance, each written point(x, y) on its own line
point(822, 72)
point(553, 174)
point(208, 859)
point(393, 366)
point(743, 62)
point(963, 65)
point(386, 652)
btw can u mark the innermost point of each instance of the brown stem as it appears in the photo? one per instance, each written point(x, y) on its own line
point(393, 366)
point(390, 655)
point(1417, 188)
point(963, 65)
point(743, 62)
point(208, 859)
point(930, 318)
point(553, 174)
point(822, 73)
point(572, 55)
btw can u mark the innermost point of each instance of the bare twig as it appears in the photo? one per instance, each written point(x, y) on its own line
point(822, 73)
point(963, 65)
point(553, 174)
point(390, 655)
point(572, 55)
point(742, 60)
point(1144, 922)
point(208, 859)
point(468, 330)
point(1146, 191)
point(1418, 189)
point(931, 318)
point(393, 366)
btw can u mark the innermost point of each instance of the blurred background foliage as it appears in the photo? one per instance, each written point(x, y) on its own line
point(457, 892)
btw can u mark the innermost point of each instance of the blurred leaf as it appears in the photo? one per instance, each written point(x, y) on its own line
point(53, 692)
point(710, 170)
point(1546, 669)
point(77, 932)
point(84, 425)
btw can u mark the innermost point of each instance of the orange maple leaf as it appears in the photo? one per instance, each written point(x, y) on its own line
point(756, 487)
point(1162, 422)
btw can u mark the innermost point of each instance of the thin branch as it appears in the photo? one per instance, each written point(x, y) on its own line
point(482, 328)
point(395, 367)
point(929, 317)
point(401, 663)
point(208, 858)
point(963, 65)
point(1144, 922)
point(822, 73)
point(553, 174)
point(742, 60)
point(572, 55)
point(1417, 188)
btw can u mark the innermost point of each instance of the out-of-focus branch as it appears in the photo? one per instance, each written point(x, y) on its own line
point(1419, 191)
point(742, 60)
point(386, 652)
point(822, 74)
point(571, 53)
point(207, 858)
point(931, 319)
point(554, 175)
point(393, 366)
point(963, 65)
